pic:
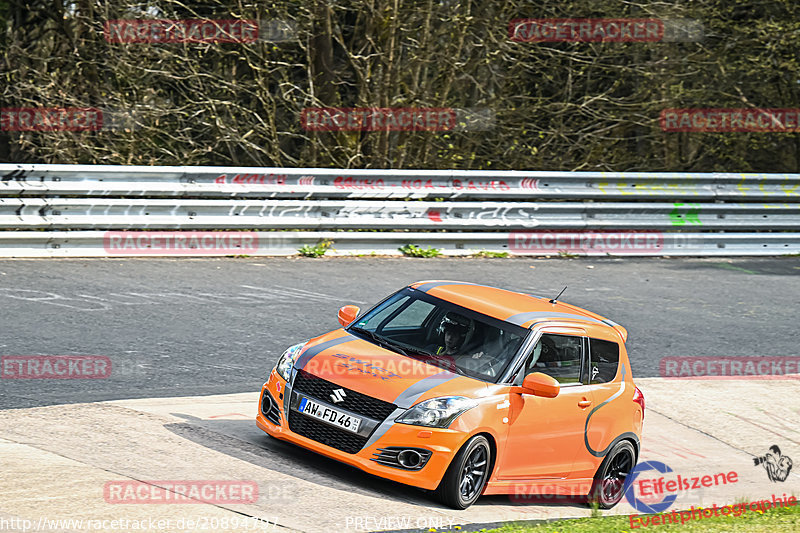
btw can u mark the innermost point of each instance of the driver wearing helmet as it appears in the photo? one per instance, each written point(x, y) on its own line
point(454, 352)
point(454, 328)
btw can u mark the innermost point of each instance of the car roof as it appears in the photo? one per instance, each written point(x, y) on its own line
point(524, 310)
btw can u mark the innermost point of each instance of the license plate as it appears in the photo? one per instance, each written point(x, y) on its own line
point(332, 416)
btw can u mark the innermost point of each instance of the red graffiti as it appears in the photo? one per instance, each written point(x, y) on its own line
point(253, 179)
point(352, 183)
point(480, 185)
point(435, 216)
point(418, 184)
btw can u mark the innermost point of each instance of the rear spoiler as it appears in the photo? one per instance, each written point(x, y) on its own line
point(622, 332)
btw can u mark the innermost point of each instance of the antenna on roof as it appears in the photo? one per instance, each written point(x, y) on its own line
point(555, 300)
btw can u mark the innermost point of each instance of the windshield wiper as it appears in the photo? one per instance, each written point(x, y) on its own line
point(382, 341)
point(415, 350)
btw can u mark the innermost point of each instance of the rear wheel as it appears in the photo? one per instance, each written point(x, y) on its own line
point(609, 481)
point(466, 476)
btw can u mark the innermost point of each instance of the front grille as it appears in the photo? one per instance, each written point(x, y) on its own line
point(328, 435)
point(269, 408)
point(358, 403)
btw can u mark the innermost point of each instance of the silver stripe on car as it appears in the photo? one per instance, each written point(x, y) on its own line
point(521, 318)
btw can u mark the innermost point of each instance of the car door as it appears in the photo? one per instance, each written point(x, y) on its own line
point(545, 434)
point(605, 386)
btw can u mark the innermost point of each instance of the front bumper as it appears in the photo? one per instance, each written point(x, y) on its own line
point(442, 443)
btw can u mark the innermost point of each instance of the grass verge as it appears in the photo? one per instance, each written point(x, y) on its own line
point(778, 520)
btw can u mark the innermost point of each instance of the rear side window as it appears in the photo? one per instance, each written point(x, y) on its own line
point(604, 360)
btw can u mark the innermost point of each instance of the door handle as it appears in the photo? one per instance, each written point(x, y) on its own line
point(583, 404)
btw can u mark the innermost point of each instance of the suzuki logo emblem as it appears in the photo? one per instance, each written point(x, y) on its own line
point(338, 395)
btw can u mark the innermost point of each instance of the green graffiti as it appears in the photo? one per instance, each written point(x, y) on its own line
point(691, 216)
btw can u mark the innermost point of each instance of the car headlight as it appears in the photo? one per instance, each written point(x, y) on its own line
point(287, 359)
point(436, 412)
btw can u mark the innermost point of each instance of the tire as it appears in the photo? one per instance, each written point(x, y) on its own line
point(609, 481)
point(467, 475)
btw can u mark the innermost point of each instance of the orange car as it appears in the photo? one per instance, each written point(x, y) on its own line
point(465, 390)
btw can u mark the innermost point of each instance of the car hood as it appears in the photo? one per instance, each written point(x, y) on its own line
point(360, 365)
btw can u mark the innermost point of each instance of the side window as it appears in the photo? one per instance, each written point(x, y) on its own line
point(604, 360)
point(558, 356)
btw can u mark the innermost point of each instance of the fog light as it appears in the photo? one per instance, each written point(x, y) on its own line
point(400, 457)
point(409, 458)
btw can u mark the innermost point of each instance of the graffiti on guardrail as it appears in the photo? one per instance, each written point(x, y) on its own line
point(685, 214)
point(252, 179)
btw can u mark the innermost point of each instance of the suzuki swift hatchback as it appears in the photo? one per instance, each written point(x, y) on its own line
point(466, 390)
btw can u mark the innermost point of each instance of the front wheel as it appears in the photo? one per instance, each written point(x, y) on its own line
point(467, 474)
point(609, 481)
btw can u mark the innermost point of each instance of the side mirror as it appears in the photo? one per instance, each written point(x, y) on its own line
point(347, 314)
point(540, 384)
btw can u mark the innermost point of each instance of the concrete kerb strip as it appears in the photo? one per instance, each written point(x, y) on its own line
point(50, 491)
point(65, 454)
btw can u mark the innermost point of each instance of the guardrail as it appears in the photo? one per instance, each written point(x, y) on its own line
point(83, 213)
point(77, 208)
point(285, 243)
point(222, 182)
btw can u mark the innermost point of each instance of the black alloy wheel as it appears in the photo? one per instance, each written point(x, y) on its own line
point(467, 475)
point(609, 481)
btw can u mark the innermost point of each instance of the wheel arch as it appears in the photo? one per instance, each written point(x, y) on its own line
point(492, 447)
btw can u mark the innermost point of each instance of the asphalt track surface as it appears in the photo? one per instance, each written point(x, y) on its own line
point(190, 327)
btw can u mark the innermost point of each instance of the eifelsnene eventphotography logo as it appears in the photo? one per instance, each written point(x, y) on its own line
point(776, 464)
point(653, 487)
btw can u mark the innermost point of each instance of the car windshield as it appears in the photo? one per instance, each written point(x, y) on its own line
point(442, 334)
